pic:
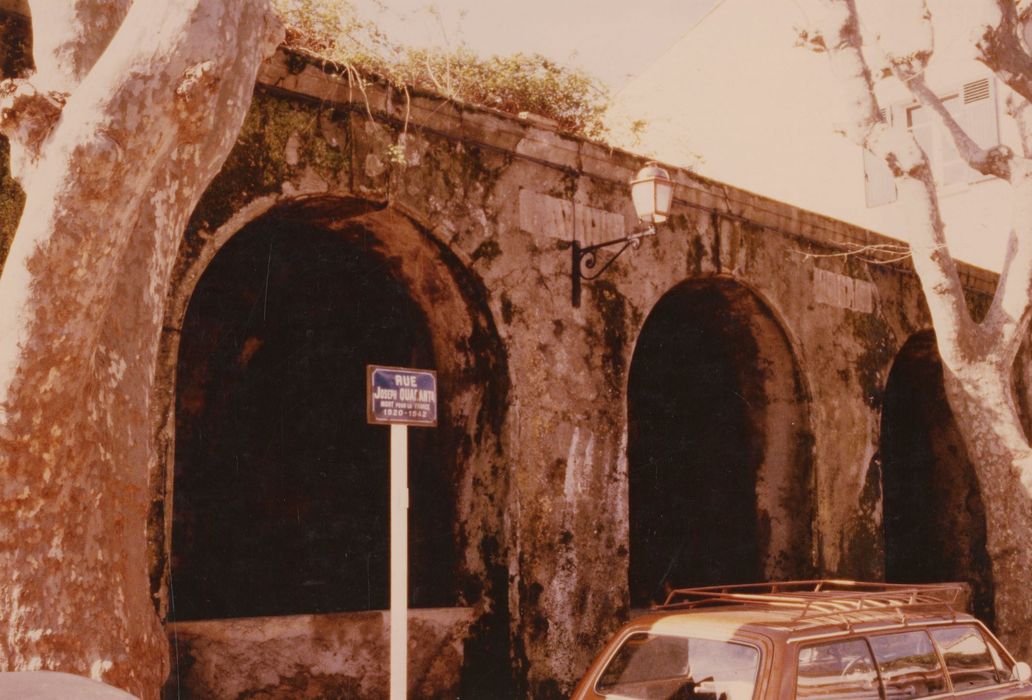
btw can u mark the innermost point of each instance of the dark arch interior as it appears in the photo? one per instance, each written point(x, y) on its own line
point(281, 487)
point(933, 516)
point(694, 443)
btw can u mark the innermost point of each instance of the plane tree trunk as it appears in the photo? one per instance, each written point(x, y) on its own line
point(981, 396)
point(132, 111)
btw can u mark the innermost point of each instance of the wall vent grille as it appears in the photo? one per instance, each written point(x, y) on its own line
point(976, 90)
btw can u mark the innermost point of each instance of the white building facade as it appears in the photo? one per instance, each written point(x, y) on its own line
point(737, 100)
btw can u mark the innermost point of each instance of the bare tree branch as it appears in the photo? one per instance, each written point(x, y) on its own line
point(908, 44)
point(840, 37)
point(1002, 49)
point(1008, 318)
point(1021, 111)
point(68, 38)
point(1024, 8)
point(994, 161)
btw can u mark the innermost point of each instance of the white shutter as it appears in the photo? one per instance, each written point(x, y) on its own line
point(879, 185)
point(925, 133)
point(978, 117)
point(953, 168)
point(974, 108)
point(979, 113)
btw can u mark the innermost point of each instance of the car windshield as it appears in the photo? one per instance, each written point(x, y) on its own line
point(662, 667)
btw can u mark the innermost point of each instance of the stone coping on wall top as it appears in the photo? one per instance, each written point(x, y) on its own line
point(299, 74)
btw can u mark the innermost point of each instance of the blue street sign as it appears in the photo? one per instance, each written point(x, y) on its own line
point(401, 396)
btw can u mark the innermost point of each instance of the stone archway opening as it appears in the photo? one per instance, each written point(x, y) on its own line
point(719, 445)
point(933, 516)
point(276, 504)
point(280, 500)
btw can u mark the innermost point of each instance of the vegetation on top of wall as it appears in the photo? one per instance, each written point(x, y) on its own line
point(332, 29)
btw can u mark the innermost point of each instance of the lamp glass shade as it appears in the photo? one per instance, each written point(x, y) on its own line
point(652, 192)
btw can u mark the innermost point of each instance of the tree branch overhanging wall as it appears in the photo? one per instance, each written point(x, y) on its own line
point(978, 356)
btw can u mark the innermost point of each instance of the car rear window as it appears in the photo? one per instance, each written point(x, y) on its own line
point(968, 659)
point(908, 664)
point(661, 666)
point(841, 669)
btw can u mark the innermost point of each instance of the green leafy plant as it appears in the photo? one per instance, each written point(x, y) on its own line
point(333, 30)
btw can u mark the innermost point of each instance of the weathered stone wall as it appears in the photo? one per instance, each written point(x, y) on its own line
point(477, 210)
point(315, 656)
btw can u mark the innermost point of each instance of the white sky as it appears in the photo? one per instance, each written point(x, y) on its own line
point(611, 39)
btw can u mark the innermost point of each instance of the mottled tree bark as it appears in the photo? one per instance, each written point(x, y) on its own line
point(133, 110)
point(983, 394)
point(978, 357)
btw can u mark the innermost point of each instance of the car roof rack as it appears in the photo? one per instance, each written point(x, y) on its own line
point(827, 600)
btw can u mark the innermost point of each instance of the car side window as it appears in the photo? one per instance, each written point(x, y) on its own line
point(908, 665)
point(1005, 668)
point(968, 659)
point(842, 669)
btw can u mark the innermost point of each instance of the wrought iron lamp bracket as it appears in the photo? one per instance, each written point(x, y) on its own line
point(585, 258)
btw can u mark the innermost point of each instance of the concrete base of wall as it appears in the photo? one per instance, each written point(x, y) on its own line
point(315, 656)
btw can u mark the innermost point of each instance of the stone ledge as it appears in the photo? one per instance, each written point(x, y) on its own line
point(315, 655)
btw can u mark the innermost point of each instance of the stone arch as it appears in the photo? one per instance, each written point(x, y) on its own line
point(458, 335)
point(933, 516)
point(720, 448)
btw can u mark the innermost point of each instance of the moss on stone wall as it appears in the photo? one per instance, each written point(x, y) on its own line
point(456, 174)
point(279, 140)
point(12, 201)
point(15, 45)
point(15, 62)
point(614, 332)
point(488, 251)
point(863, 544)
point(978, 304)
point(875, 337)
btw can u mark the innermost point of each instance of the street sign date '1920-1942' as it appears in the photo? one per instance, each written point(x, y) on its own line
point(401, 396)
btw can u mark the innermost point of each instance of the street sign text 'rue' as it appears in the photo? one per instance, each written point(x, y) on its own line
point(401, 396)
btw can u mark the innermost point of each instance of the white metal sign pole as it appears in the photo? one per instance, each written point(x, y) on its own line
point(399, 561)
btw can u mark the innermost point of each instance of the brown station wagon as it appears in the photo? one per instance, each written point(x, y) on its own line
point(807, 639)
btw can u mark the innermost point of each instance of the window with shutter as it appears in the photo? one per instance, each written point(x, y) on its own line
point(974, 108)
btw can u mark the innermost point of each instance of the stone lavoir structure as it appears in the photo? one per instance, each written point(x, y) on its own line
point(736, 400)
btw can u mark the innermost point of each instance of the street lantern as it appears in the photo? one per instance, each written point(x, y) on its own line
point(652, 192)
